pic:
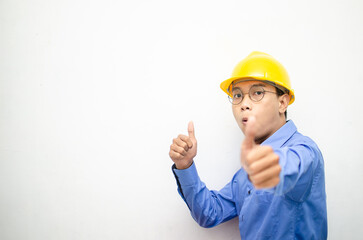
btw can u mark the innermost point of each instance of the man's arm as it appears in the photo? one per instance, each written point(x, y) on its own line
point(300, 165)
point(208, 208)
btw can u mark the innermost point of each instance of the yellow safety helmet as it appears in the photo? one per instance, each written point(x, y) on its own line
point(263, 67)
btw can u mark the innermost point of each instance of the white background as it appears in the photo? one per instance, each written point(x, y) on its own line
point(92, 93)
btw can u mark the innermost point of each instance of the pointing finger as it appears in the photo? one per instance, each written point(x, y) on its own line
point(249, 141)
point(191, 130)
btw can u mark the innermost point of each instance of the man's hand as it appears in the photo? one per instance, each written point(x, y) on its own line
point(260, 162)
point(184, 149)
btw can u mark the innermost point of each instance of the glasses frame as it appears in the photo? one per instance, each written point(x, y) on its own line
point(249, 94)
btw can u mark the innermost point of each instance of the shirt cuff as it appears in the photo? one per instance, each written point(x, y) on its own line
point(187, 177)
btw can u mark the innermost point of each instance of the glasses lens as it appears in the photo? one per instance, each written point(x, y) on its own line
point(237, 96)
point(256, 93)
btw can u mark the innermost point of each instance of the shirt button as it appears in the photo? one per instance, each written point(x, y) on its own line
point(249, 192)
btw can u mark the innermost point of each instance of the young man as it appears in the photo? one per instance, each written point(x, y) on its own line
point(279, 193)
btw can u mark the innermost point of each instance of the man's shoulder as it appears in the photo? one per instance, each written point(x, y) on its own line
point(298, 138)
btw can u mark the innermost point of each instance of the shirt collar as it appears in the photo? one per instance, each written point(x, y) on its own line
point(283, 134)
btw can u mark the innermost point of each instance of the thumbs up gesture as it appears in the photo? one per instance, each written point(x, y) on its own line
point(184, 149)
point(260, 162)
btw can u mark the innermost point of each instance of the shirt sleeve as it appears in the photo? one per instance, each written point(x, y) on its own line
point(208, 208)
point(299, 166)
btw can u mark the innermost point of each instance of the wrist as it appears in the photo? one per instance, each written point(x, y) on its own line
point(182, 166)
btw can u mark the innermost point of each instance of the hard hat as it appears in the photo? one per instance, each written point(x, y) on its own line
point(263, 67)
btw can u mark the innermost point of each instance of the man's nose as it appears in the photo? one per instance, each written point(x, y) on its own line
point(246, 103)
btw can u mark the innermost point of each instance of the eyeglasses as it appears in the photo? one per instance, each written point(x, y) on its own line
point(256, 93)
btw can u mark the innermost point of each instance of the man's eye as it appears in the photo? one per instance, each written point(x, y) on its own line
point(237, 95)
point(257, 93)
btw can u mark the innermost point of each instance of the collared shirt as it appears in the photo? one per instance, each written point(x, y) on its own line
point(294, 209)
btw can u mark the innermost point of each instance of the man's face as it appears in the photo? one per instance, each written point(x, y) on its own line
point(268, 112)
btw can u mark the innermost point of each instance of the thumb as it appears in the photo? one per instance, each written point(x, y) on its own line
point(249, 141)
point(191, 130)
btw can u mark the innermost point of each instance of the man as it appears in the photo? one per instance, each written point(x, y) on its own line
point(279, 193)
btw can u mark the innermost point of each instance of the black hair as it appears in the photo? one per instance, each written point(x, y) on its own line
point(280, 93)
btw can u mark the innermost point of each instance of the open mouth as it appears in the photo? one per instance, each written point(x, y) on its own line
point(244, 120)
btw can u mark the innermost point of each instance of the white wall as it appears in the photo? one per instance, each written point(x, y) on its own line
point(92, 93)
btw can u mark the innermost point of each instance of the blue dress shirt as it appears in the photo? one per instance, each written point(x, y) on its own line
point(294, 209)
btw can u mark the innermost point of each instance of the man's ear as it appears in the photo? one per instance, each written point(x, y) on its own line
point(283, 102)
